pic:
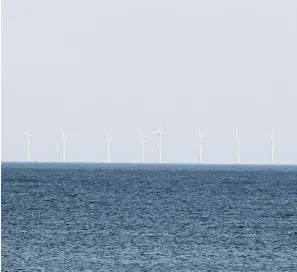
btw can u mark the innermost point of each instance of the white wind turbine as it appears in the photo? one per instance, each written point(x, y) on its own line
point(272, 138)
point(63, 141)
point(107, 142)
point(200, 139)
point(159, 133)
point(28, 145)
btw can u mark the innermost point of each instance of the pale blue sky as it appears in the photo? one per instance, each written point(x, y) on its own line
point(89, 65)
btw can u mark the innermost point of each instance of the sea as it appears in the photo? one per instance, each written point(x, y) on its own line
point(148, 217)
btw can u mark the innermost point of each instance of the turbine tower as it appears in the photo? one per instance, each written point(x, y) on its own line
point(28, 145)
point(272, 137)
point(63, 141)
point(200, 140)
point(238, 144)
point(142, 143)
point(159, 133)
point(107, 142)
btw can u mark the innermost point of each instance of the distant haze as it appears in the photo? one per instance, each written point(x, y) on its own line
point(89, 65)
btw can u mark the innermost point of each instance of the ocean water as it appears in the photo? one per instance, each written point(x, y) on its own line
point(84, 217)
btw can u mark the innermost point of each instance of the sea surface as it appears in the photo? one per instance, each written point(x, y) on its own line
point(121, 217)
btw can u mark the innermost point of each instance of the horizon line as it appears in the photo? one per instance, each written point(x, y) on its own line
point(151, 163)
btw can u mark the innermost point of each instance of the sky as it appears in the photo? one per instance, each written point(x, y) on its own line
point(88, 66)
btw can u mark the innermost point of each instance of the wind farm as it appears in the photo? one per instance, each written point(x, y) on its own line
point(149, 135)
point(159, 155)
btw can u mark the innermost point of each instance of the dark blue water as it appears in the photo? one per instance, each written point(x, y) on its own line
point(58, 217)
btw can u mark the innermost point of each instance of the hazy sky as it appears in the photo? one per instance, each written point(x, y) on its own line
point(90, 65)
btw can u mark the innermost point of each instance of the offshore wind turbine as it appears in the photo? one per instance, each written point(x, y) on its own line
point(200, 139)
point(107, 142)
point(272, 138)
point(159, 133)
point(63, 141)
point(142, 143)
point(29, 135)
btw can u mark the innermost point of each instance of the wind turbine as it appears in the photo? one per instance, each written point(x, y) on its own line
point(28, 145)
point(142, 143)
point(159, 133)
point(200, 140)
point(107, 141)
point(63, 140)
point(238, 144)
point(272, 137)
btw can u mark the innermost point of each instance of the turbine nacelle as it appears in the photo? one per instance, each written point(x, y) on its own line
point(28, 134)
point(63, 136)
point(272, 135)
point(158, 132)
point(107, 139)
point(142, 140)
point(200, 136)
point(237, 135)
